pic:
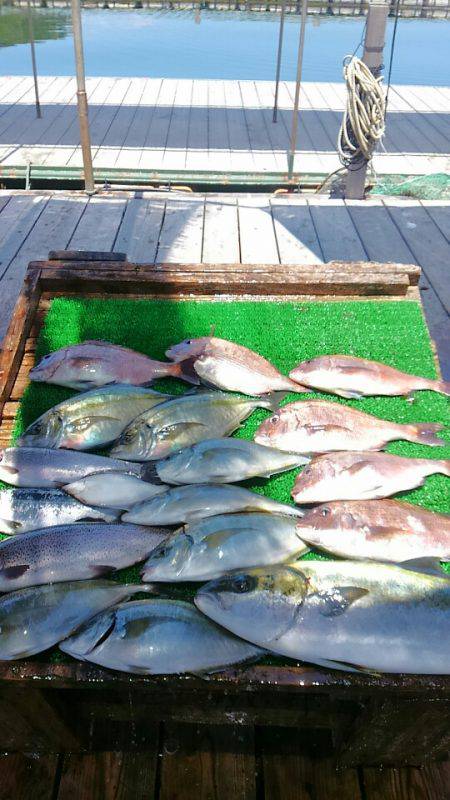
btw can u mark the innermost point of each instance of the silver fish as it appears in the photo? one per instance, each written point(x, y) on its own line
point(225, 461)
point(207, 549)
point(94, 363)
point(190, 503)
point(46, 468)
point(227, 365)
point(350, 615)
point(349, 376)
point(185, 421)
point(90, 419)
point(151, 637)
point(23, 510)
point(382, 530)
point(113, 490)
point(34, 619)
point(362, 476)
point(73, 552)
point(318, 426)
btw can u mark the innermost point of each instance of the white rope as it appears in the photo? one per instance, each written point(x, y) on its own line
point(363, 121)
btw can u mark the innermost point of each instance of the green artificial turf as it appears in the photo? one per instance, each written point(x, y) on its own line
point(284, 332)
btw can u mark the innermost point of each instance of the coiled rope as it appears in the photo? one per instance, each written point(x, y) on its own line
point(363, 123)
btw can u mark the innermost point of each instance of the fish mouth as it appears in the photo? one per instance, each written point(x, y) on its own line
point(205, 599)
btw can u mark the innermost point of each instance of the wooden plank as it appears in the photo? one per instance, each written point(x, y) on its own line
point(109, 776)
point(218, 124)
point(139, 230)
point(294, 767)
point(85, 255)
point(429, 782)
point(381, 238)
point(207, 762)
point(155, 143)
point(23, 776)
point(197, 155)
point(177, 137)
point(221, 232)
point(426, 242)
point(16, 221)
point(439, 211)
point(98, 226)
point(240, 148)
point(257, 235)
point(181, 233)
point(296, 236)
point(337, 234)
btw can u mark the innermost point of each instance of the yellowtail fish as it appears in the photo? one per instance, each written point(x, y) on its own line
point(92, 364)
point(318, 426)
point(113, 490)
point(209, 548)
point(151, 637)
point(227, 365)
point(362, 476)
point(91, 419)
point(349, 615)
point(349, 376)
point(382, 530)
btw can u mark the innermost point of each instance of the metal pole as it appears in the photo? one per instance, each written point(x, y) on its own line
point(294, 130)
point(83, 118)
point(280, 50)
point(377, 14)
point(33, 60)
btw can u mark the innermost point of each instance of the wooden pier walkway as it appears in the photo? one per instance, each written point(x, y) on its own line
point(149, 125)
point(222, 229)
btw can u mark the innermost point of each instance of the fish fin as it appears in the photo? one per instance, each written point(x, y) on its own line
point(273, 400)
point(101, 569)
point(345, 666)
point(427, 564)
point(336, 602)
point(324, 427)
point(10, 525)
point(385, 530)
point(10, 573)
point(83, 424)
point(425, 433)
point(444, 387)
point(186, 370)
point(9, 470)
point(352, 369)
point(350, 395)
point(356, 467)
point(149, 473)
point(444, 467)
point(179, 427)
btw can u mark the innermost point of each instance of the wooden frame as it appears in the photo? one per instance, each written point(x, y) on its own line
point(50, 707)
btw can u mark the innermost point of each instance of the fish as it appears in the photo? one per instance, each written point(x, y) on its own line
point(190, 503)
point(95, 363)
point(23, 510)
point(73, 552)
point(216, 545)
point(113, 490)
point(382, 530)
point(185, 421)
point(46, 468)
point(359, 616)
point(225, 461)
point(362, 476)
point(319, 426)
point(349, 376)
point(36, 618)
point(227, 365)
point(91, 419)
point(151, 637)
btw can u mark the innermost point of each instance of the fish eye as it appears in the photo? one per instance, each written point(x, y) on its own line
point(242, 584)
point(275, 418)
point(325, 511)
point(306, 470)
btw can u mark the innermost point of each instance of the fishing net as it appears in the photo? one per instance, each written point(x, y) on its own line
point(423, 187)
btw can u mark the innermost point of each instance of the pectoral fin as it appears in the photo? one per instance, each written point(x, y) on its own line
point(428, 565)
point(355, 468)
point(335, 602)
point(320, 428)
point(345, 666)
point(351, 395)
point(181, 427)
point(11, 573)
point(84, 424)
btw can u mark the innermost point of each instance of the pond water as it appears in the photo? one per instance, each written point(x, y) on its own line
point(213, 44)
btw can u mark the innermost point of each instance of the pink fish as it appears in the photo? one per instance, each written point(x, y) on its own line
point(349, 376)
point(382, 530)
point(318, 426)
point(358, 476)
point(92, 364)
point(226, 365)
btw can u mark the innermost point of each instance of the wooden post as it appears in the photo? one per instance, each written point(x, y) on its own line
point(83, 118)
point(33, 59)
point(373, 56)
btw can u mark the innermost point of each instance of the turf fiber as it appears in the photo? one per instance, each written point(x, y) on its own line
point(284, 332)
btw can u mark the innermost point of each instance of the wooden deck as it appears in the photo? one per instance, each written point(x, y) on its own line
point(224, 229)
point(183, 126)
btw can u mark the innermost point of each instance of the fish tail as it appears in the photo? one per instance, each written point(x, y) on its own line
point(425, 433)
point(443, 387)
point(271, 401)
point(148, 588)
point(185, 370)
point(444, 467)
point(296, 386)
point(149, 473)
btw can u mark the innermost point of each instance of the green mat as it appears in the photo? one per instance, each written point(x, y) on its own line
point(284, 332)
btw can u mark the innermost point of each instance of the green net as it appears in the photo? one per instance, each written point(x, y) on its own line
point(424, 187)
